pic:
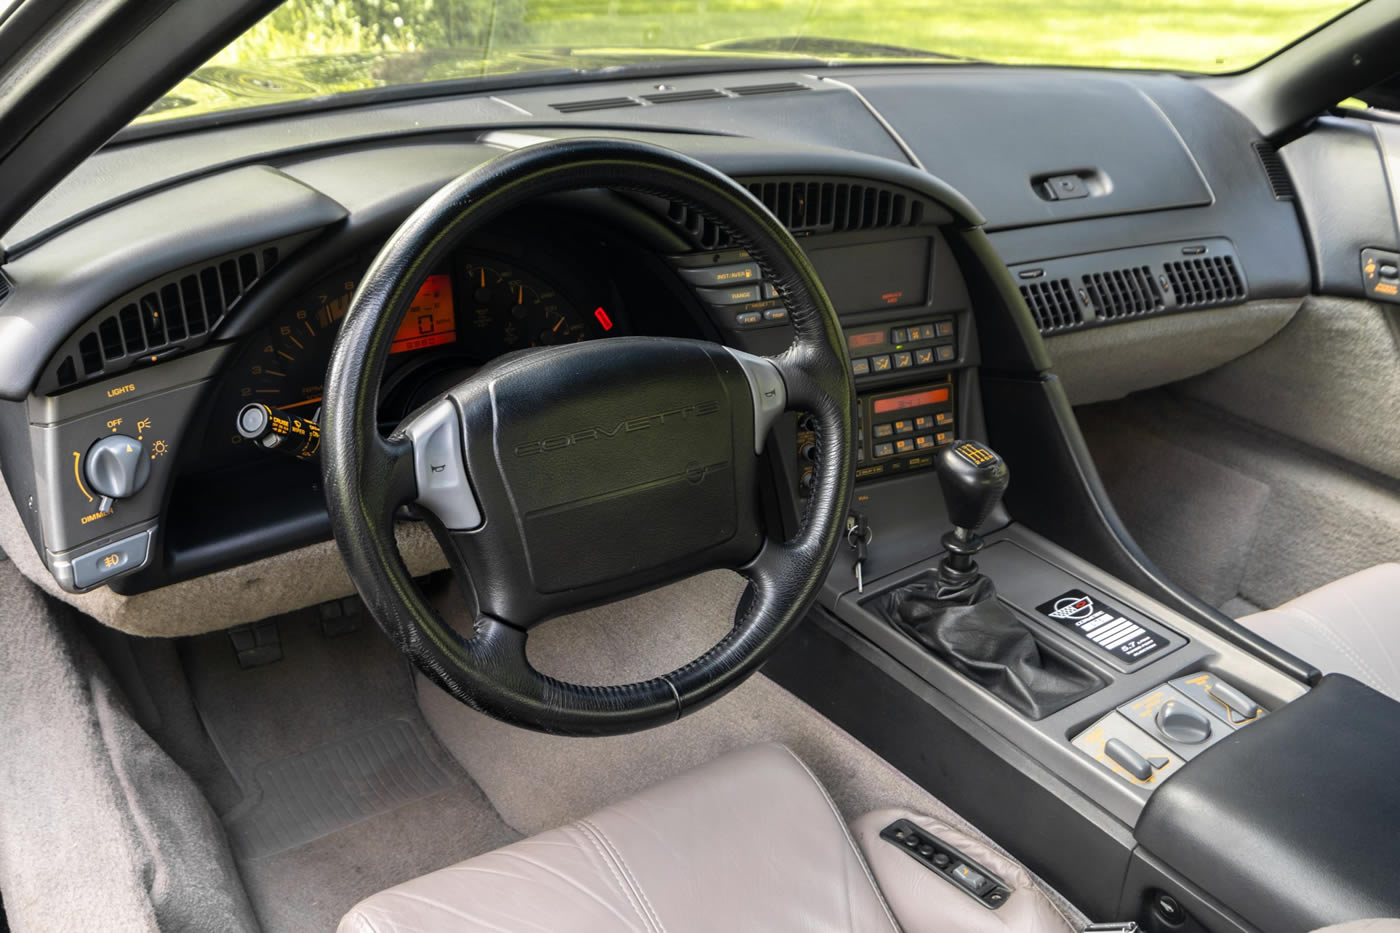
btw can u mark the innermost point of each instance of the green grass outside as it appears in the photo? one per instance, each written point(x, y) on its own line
point(1187, 35)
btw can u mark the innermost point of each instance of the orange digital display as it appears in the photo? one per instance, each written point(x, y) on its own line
point(871, 338)
point(430, 321)
point(917, 400)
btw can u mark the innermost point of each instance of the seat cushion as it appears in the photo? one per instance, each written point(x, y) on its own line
point(924, 902)
point(1350, 626)
point(750, 841)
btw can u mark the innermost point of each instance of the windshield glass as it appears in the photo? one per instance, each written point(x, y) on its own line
point(311, 48)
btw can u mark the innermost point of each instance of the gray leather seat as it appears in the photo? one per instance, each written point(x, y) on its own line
point(750, 841)
point(1350, 626)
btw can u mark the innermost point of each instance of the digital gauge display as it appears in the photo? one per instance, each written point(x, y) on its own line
point(429, 321)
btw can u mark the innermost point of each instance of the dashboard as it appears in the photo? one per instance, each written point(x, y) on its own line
point(173, 281)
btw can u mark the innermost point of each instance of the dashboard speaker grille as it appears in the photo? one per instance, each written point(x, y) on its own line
point(1274, 169)
point(778, 87)
point(177, 312)
point(1123, 292)
point(597, 103)
point(1053, 305)
point(1210, 280)
point(681, 97)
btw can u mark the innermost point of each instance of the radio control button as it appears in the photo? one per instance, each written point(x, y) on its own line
point(860, 367)
point(904, 427)
point(923, 423)
point(924, 442)
point(944, 417)
point(944, 437)
point(884, 450)
point(884, 430)
point(904, 446)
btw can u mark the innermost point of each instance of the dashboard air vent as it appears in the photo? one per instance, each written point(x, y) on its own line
point(778, 87)
point(811, 206)
point(1274, 168)
point(1052, 304)
point(597, 103)
point(703, 231)
point(1209, 280)
point(1123, 293)
point(177, 312)
point(836, 206)
point(681, 97)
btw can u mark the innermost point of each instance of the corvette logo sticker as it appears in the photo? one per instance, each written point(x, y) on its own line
point(1104, 626)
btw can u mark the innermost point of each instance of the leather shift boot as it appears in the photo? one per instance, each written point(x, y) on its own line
point(969, 628)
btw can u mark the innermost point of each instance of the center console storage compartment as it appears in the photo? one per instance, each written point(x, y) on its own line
point(1291, 822)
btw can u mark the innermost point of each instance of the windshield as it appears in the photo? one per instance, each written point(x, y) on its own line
point(311, 48)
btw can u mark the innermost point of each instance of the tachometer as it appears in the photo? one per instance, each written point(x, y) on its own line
point(515, 310)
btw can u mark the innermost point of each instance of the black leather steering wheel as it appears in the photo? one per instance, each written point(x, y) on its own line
point(571, 476)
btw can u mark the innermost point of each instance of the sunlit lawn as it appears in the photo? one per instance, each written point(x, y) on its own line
point(1197, 35)
point(1187, 35)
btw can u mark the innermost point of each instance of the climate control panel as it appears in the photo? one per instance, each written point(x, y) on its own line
point(896, 431)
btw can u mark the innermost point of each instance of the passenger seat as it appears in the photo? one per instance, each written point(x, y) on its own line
point(1350, 626)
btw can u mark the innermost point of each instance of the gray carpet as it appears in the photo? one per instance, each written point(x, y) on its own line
point(343, 791)
point(1242, 517)
point(99, 828)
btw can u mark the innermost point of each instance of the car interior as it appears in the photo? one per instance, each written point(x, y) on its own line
point(755, 492)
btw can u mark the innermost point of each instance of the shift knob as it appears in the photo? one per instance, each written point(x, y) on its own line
point(973, 479)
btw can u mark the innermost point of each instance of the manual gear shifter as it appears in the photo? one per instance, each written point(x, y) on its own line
point(973, 479)
point(954, 612)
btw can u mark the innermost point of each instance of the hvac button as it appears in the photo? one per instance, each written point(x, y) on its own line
point(96, 566)
point(945, 354)
point(923, 357)
point(881, 364)
point(860, 367)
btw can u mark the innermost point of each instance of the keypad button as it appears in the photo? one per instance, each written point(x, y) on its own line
point(903, 360)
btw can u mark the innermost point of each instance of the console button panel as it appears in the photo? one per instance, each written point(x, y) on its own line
point(1166, 727)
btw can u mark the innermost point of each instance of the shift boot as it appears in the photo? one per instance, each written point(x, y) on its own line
point(967, 626)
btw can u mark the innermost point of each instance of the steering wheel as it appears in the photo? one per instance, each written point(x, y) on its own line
point(571, 476)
